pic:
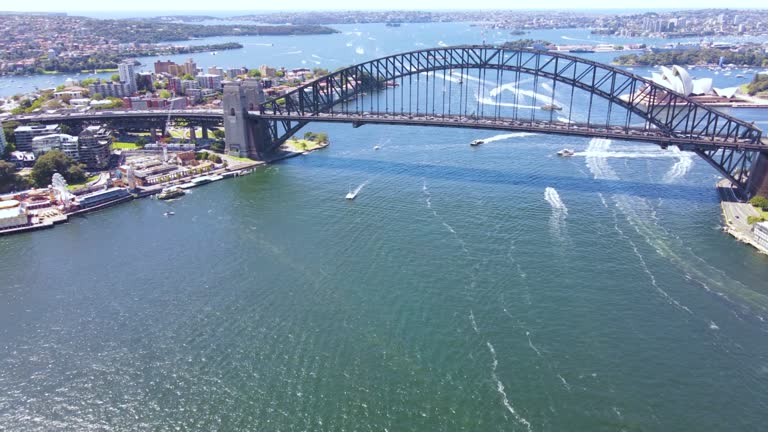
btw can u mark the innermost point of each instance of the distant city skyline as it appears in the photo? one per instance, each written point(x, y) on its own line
point(184, 7)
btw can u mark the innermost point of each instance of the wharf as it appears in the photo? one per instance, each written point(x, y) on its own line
point(49, 222)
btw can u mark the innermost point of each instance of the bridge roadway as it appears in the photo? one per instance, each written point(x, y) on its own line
point(389, 118)
point(535, 126)
point(158, 114)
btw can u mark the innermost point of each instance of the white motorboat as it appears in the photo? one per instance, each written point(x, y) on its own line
point(476, 143)
point(566, 152)
point(351, 194)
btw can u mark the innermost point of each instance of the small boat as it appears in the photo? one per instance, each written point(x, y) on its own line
point(566, 152)
point(376, 147)
point(169, 213)
point(351, 194)
point(551, 107)
point(476, 143)
point(170, 193)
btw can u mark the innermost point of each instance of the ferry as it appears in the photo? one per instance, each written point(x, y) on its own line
point(476, 143)
point(566, 152)
point(551, 107)
point(170, 193)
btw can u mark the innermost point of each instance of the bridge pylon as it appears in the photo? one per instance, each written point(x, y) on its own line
point(244, 137)
point(758, 177)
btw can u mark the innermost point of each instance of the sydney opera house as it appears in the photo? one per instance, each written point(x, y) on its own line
point(679, 80)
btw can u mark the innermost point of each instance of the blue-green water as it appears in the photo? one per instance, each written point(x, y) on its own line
point(490, 288)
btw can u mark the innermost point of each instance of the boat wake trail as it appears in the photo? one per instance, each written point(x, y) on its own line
point(641, 216)
point(360, 187)
point(473, 322)
point(553, 198)
point(428, 201)
point(500, 388)
point(631, 208)
point(489, 101)
point(559, 211)
point(681, 167)
point(530, 344)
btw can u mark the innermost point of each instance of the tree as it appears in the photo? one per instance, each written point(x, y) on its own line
point(56, 162)
point(97, 96)
point(88, 81)
point(164, 94)
point(279, 73)
point(187, 77)
point(759, 201)
point(218, 133)
point(254, 73)
point(8, 178)
point(115, 77)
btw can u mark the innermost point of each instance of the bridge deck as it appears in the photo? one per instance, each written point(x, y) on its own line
point(536, 126)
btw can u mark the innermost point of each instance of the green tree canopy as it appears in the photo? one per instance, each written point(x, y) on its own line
point(187, 77)
point(254, 73)
point(56, 162)
point(165, 94)
point(88, 81)
point(115, 77)
point(9, 180)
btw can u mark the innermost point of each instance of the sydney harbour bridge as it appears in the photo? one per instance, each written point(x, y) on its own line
point(478, 87)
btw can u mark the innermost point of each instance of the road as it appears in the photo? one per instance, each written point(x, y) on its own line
point(736, 213)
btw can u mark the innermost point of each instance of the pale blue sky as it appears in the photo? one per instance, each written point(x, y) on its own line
point(187, 6)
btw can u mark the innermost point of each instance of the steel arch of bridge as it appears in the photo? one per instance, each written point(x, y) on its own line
point(727, 143)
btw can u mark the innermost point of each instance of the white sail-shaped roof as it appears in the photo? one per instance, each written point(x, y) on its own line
point(726, 92)
point(679, 80)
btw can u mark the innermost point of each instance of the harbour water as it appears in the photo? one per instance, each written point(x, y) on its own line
point(496, 287)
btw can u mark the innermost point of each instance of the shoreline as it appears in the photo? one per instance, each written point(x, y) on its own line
point(729, 206)
point(240, 169)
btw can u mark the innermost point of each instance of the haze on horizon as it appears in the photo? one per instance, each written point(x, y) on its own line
point(186, 7)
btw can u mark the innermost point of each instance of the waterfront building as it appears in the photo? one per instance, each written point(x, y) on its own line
point(174, 85)
point(67, 144)
point(761, 234)
point(679, 80)
point(22, 159)
point(127, 75)
point(95, 146)
point(233, 73)
point(189, 67)
point(267, 72)
point(188, 84)
point(75, 93)
point(213, 70)
point(110, 89)
point(144, 81)
point(164, 67)
point(209, 81)
point(100, 197)
point(13, 214)
point(25, 134)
